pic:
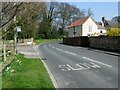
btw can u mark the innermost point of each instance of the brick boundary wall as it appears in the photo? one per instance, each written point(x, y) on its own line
point(106, 43)
point(77, 41)
point(101, 42)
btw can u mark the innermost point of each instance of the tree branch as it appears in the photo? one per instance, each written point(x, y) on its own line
point(16, 10)
point(3, 9)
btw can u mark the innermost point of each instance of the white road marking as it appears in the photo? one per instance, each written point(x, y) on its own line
point(85, 66)
point(64, 51)
point(83, 57)
point(96, 61)
point(56, 48)
point(93, 65)
point(64, 68)
point(70, 53)
point(59, 49)
point(79, 66)
point(53, 47)
point(74, 69)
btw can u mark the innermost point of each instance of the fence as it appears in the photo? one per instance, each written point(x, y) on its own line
point(6, 53)
point(25, 41)
point(101, 42)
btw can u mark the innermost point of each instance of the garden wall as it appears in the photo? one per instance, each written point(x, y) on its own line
point(101, 42)
point(106, 43)
point(77, 41)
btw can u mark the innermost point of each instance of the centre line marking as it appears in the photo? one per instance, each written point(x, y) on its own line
point(70, 53)
point(59, 49)
point(53, 47)
point(97, 61)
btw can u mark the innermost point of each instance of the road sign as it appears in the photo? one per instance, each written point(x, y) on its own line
point(18, 28)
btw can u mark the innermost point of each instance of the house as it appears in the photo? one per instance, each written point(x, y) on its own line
point(112, 24)
point(104, 25)
point(101, 30)
point(115, 22)
point(85, 26)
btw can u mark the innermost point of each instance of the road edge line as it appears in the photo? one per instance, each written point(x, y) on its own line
point(48, 71)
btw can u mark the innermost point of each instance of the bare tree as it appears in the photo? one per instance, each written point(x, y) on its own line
point(89, 12)
point(8, 11)
point(67, 14)
point(25, 13)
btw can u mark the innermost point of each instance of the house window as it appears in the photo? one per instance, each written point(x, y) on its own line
point(90, 28)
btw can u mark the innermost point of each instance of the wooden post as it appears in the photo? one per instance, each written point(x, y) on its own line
point(15, 39)
point(15, 36)
point(4, 50)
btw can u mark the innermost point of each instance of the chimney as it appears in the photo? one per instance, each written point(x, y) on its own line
point(103, 21)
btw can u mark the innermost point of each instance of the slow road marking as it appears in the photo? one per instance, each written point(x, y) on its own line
point(79, 66)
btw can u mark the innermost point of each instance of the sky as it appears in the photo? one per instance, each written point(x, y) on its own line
point(99, 9)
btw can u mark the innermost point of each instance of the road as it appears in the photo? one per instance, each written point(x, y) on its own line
point(78, 67)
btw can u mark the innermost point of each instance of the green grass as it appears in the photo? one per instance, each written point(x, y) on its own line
point(31, 73)
point(41, 41)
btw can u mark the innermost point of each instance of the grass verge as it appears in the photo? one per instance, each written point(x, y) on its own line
point(41, 41)
point(26, 73)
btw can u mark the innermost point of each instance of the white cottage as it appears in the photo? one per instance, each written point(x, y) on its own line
point(83, 27)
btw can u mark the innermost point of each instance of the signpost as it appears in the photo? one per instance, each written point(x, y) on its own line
point(17, 29)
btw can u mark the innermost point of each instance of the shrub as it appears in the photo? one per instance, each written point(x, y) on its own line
point(113, 32)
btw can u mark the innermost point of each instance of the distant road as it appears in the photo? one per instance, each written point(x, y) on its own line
point(77, 67)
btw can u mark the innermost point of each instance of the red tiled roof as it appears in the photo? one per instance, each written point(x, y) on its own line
point(78, 22)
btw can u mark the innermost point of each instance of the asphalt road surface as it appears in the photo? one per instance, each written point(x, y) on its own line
point(77, 67)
